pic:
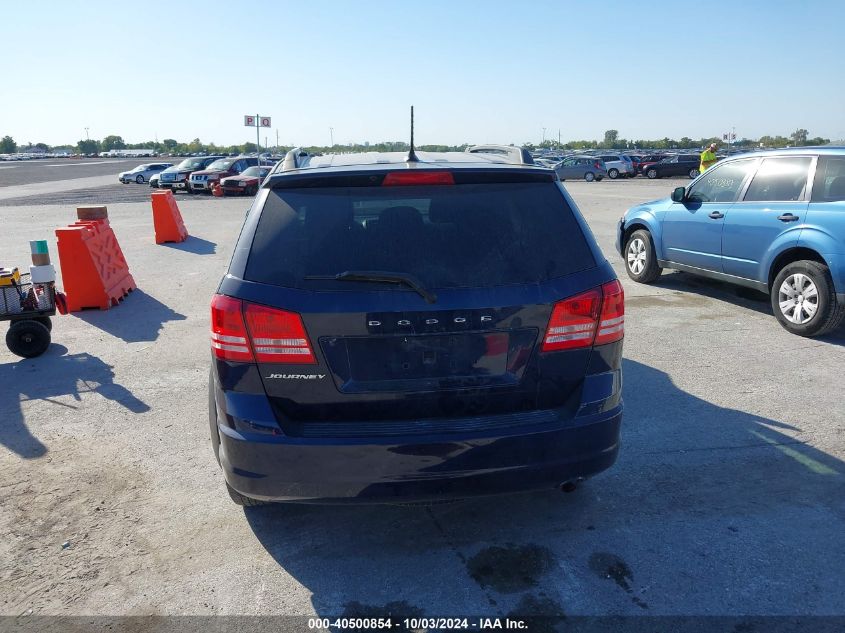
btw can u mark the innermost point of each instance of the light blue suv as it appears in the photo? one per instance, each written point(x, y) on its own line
point(773, 221)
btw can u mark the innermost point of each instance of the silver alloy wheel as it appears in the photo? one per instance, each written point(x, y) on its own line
point(139, 179)
point(637, 255)
point(589, 176)
point(798, 298)
point(651, 173)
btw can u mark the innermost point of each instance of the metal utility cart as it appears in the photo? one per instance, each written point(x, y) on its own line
point(29, 307)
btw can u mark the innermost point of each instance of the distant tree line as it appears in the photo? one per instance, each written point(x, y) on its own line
point(612, 140)
point(799, 138)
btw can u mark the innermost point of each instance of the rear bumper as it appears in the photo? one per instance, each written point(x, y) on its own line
point(391, 470)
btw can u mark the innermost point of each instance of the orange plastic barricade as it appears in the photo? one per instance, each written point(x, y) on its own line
point(167, 220)
point(94, 271)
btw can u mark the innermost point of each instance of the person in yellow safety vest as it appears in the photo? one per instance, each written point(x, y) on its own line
point(708, 158)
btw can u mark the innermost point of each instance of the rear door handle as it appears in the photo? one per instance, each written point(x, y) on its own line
point(718, 215)
point(788, 217)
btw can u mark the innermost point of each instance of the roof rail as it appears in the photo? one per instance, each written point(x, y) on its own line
point(294, 159)
point(511, 153)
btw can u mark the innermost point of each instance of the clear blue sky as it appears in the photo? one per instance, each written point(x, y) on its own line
point(476, 70)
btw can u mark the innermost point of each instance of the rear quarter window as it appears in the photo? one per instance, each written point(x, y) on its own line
point(779, 179)
point(471, 235)
point(829, 185)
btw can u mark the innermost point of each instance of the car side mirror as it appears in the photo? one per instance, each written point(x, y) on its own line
point(679, 194)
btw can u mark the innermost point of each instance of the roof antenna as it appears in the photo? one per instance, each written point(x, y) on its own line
point(412, 155)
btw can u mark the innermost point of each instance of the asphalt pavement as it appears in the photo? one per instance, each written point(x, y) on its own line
point(727, 499)
point(26, 172)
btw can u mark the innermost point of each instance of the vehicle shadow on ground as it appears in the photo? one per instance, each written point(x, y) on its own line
point(51, 375)
point(682, 459)
point(730, 293)
point(713, 289)
point(195, 245)
point(139, 317)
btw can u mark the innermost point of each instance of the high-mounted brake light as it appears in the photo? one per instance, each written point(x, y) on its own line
point(228, 332)
point(278, 336)
point(417, 177)
point(595, 317)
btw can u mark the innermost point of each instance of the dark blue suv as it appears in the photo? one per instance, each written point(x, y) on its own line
point(411, 330)
point(772, 221)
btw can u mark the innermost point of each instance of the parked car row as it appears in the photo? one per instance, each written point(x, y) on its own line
point(620, 165)
point(203, 180)
point(236, 175)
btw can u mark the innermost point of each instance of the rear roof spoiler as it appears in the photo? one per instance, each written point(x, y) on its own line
point(518, 155)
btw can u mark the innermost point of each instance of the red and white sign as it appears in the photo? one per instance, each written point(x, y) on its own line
point(249, 120)
point(265, 121)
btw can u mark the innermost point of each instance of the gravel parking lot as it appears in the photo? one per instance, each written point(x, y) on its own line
point(727, 498)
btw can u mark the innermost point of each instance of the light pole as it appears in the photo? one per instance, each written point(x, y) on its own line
point(544, 135)
point(331, 135)
point(86, 134)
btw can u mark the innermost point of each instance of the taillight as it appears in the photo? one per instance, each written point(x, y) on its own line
point(595, 317)
point(573, 322)
point(612, 319)
point(238, 328)
point(416, 177)
point(278, 336)
point(228, 332)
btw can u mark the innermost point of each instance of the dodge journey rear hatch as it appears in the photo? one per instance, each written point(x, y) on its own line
point(405, 307)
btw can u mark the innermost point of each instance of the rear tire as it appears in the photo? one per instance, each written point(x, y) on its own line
point(243, 500)
point(28, 338)
point(651, 173)
point(640, 257)
point(693, 173)
point(139, 179)
point(613, 173)
point(589, 176)
point(804, 299)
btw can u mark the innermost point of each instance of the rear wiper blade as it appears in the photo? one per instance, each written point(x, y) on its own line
point(382, 276)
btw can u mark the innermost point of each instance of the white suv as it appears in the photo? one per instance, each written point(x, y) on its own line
point(618, 165)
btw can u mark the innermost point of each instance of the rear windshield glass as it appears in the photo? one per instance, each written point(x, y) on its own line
point(471, 235)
